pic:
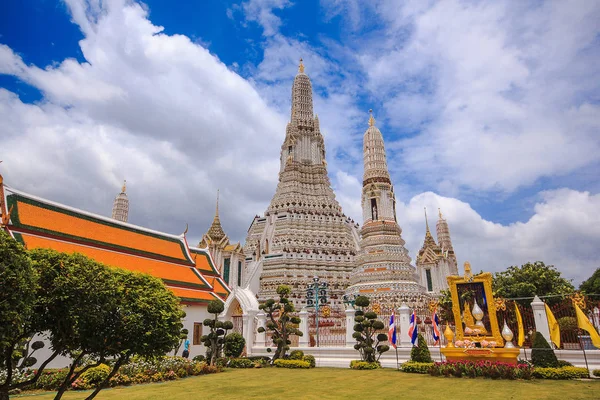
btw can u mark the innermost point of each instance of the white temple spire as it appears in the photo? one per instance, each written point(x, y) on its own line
point(120, 210)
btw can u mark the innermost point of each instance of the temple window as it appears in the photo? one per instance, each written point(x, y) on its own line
point(429, 283)
point(239, 274)
point(197, 333)
point(226, 267)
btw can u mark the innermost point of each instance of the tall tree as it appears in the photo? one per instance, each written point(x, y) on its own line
point(531, 279)
point(280, 321)
point(592, 284)
point(18, 285)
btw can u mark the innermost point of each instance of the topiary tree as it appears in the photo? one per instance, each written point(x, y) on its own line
point(420, 353)
point(234, 345)
point(182, 338)
point(542, 354)
point(365, 332)
point(215, 340)
point(280, 321)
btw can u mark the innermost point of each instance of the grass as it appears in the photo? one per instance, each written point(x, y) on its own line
point(335, 383)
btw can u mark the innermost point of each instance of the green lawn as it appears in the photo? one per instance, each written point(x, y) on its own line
point(333, 383)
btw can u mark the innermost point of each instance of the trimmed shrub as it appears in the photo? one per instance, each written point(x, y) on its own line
point(485, 369)
point(296, 355)
point(542, 355)
point(291, 364)
point(310, 359)
point(416, 367)
point(563, 363)
point(560, 373)
point(240, 363)
point(51, 379)
point(234, 345)
point(358, 364)
point(596, 372)
point(199, 358)
point(94, 376)
point(420, 353)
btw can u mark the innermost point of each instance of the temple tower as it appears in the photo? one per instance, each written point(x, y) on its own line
point(304, 232)
point(383, 271)
point(436, 262)
point(120, 210)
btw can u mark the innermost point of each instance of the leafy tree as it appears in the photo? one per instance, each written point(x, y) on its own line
point(18, 285)
point(420, 353)
point(529, 280)
point(365, 332)
point(542, 354)
point(445, 306)
point(592, 284)
point(234, 345)
point(215, 340)
point(280, 321)
point(147, 321)
point(182, 338)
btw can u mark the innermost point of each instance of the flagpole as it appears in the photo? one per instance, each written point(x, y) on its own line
point(584, 355)
point(397, 362)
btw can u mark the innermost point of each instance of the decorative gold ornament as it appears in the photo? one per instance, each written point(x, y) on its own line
point(449, 335)
point(500, 303)
point(468, 273)
point(371, 119)
point(301, 67)
point(577, 298)
point(433, 305)
point(377, 308)
point(326, 311)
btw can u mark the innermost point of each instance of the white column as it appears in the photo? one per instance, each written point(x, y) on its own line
point(248, 330)
point(261, 336)
point(305, 338)
point(404, 319)
point(350, 341)
point(539, 315)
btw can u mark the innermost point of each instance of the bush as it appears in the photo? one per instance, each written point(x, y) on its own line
point(358, 364)
point(51, 379)
point(563, 363)
point(94, 376)
point(296, 355)
point(542, 355)
point(310, 359)
point(420, 353)
point(567, 323)
point(291, 364)
point(234, 345)
point(416, 367)
point(485, 369)
point(240, 363)
point(560, 373)
point(199, 358)
point(596, 372)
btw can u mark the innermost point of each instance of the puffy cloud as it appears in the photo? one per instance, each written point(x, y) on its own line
point(262, 12)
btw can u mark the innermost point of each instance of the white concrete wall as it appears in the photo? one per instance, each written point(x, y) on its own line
point(194, 313)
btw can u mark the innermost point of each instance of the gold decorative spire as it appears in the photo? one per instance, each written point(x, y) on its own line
point(301, 67)
point(215, 231)
point(371, 119)
point(124, 188)
point(426, 223)
point(440, 213)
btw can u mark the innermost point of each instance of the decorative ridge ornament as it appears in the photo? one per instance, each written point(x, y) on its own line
point(577, 298)
point(371, 119)
point(301, 67)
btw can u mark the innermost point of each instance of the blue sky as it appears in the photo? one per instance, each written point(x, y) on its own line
point(489, 111)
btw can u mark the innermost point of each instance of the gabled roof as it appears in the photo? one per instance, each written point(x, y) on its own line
point(40, 223)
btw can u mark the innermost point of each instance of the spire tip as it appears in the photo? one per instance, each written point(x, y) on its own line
point(371, 119)
point(301, 67)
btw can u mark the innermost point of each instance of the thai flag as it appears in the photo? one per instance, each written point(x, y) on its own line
point(392, 330)
point(413, 329)
point(435, 324)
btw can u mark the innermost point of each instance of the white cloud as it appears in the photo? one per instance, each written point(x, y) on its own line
point(263, 13)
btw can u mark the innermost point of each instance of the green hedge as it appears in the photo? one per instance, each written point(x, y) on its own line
point(310, 359)
point(240, 363)
point(560, 373)
point(358, 364)
point(416, 367)
point(596, 372)
point(296, 355)
point(292, 364)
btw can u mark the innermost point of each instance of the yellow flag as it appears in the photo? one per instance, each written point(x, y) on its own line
point(553, 326)
point(584, 323)
point(521, 336)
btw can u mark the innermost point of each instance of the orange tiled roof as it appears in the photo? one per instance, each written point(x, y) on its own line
point(40, 223)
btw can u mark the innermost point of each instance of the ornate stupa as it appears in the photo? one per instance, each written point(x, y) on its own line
point(304, 232)
point(435, 262)
point(120, 210)
point(383, 271)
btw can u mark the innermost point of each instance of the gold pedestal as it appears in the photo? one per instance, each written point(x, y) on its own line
point(477, 354)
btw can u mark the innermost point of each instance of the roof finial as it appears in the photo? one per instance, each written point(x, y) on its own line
point(426, 222)
point(217, 210)
point(440, 213)
point(301, 67)
point(371, 119)
point(124, 188)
